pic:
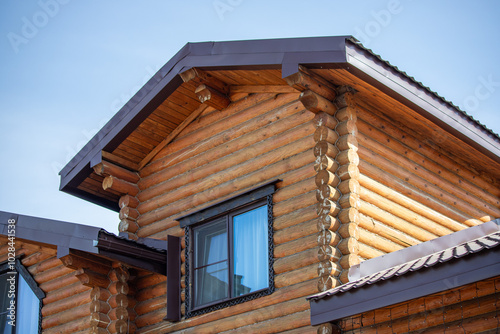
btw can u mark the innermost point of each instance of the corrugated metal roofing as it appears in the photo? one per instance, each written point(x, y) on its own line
point(462, 250)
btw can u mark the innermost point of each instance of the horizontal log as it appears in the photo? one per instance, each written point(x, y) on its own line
point(344, 276)
point(415, 193)
point(324, 178)
point(350, 200)
point(349, 186)
point(410, 204)
point(44, 265)
point(324, 133)
point(128, 201)
point(66, 316)
point(327, 222)
point(325, 148)
point(75, 262)
point(64, 292)
point(327, 207)
point(91, 278)
point(404, 213)
point(316, 103)
point(99, 306)
point(36, 258)
point(151, 292)
point(436, 186)
point(294, 217)
point(346, 142)
point(329, 268)
point(300, 187)
point(119, 185)
point(52, 273)
point(268, 152)
point(384, 231)
point(349, 215)
point(347, 128)
point(106, 168)
point(349, 246)
point(328, 238)
point(66, 304)
point(295, 276)
point(328, 253)
point(377, 242)
point(118, 287)
point(59, 282)
point(118, 313)
point(399, 224)
point(349, 260)
point(324, 162)
point(326, 283)
point(323, 119)
point(368, 252)
point(302, 81)
point(327, 191)
point(128, 213)
point(257, 318)
point(149, 280)
point(295, 203)
point(348, 157)
point(282, 324)
point(128, 225)
point(69, 327)
point(295, 232)
point(295, 246)
point(150, 305)
point(434, 161)
point(215, 132)
point(118, 326)
point(348, 171)
point(295, 261)
point(99, 293)
point(349, 230)
point(299, 290)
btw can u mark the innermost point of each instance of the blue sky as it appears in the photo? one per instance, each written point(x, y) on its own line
point(67, 66)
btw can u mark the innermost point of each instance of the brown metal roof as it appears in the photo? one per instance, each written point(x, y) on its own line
point(467, 262)
point(166, 100)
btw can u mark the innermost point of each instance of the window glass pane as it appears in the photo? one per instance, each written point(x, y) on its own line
point(5, 328)
point(211, 274)
point(210, 243)
point(251, 251)
point(28, 308)
point(211, 283)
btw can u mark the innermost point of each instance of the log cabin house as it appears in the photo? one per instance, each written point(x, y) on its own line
point(289, 186)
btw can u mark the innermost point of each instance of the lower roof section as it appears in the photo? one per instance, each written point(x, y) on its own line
point(147, 254)
point(468, 262)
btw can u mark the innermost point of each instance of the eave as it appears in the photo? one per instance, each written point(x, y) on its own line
point(283, 56)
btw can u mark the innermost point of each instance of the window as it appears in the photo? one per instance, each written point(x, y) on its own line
point(17, 288)
point(229, 257)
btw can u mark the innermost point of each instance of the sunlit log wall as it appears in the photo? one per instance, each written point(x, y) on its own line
point(257, 138)
point(412, 192)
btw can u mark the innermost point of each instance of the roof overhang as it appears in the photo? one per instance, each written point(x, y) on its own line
point(146, 254)
point(286, 55)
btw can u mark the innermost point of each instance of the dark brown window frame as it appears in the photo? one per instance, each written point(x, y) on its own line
point(250, 200)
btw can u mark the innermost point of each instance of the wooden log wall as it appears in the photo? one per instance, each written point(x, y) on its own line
point(411, 192)
point(66, 306)
point(472, 308)
point(257, 138)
